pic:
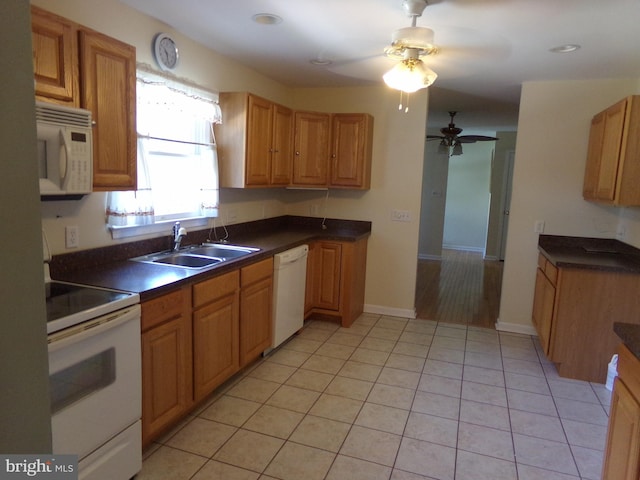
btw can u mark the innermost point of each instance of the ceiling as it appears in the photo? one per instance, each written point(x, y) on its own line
point(487, 48)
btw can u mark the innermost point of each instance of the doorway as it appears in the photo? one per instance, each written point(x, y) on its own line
point(462, 283)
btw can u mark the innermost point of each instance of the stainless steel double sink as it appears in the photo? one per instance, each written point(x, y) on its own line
point(199, 256)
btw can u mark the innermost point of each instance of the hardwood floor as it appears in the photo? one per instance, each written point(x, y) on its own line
point(461, 288)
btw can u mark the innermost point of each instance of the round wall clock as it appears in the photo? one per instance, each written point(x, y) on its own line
point(165, 51)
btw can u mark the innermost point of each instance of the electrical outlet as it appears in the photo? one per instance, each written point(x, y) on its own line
point(538, 227)
point(71, 235)
point(400, 215)
point(314, 209)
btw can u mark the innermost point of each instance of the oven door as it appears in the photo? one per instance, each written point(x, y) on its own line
point(95, 378)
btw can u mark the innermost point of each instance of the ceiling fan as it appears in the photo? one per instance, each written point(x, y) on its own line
point(451, 138)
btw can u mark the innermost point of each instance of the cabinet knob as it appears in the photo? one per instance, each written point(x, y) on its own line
point(297, 153)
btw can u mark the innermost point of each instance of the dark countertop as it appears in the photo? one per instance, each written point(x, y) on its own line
point(593, 253)
point(110, 267)
point(630, 336)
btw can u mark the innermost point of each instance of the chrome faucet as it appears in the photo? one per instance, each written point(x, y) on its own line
point(178, 234)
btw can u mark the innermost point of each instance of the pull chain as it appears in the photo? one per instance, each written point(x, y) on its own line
point(406, 107)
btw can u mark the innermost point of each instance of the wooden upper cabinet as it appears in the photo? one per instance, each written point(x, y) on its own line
point(255, 141)
point(612, 171)
point(312, 135)
point(79, 67)
point(259, 134)
point(592, 169)
point(282, 145)
point(351, 149)
point(108, 79)
point(55, 56)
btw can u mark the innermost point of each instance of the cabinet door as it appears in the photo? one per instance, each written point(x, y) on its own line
point(327, 280)
point(282, 145)
point(544, 298)
point(55, 58)
point(166, 360)
point(594, 154)
point(259, 128)
point(215, 344)
point(256, 303)
point(351, 150)
point(311, 143)
point(610, 157)
point(108, 78)
point(623, 437)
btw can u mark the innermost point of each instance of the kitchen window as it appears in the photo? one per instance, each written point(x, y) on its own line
point(177, 159)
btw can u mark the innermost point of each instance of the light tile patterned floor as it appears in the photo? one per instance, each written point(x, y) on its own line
point(393, 399)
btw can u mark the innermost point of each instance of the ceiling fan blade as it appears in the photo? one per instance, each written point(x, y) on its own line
point(435, 137)
point(476, 138)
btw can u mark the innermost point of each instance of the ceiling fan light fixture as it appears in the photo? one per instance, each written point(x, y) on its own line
point(419, 39)
point(410, 74)
point(457, 149)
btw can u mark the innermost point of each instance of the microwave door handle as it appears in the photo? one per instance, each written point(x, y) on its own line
point(64, 156)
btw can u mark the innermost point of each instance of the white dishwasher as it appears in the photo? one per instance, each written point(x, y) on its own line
point(289, 280)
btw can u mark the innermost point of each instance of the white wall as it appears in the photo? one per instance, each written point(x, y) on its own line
point(397, 160)
point(25, 418)
point(503, 147)
point(551, 150)
point(434, 197)
point(466, 212)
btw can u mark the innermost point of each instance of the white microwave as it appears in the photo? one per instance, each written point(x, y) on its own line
point(65, 151)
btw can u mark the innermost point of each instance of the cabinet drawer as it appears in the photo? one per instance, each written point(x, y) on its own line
point(216, 287)
point(549, 269)
point(159, 310)
point(256, 271)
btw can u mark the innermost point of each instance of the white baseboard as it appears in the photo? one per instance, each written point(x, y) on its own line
point(425, 256)
point(516, 328)
point(463, 248)
point(392, 312)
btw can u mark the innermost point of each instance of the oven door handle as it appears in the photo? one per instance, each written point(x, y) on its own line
point(91, 328)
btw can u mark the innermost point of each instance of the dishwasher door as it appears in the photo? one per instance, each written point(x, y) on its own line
point(289, 281)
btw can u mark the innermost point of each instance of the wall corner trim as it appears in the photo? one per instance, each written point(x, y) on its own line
point(516, 328)
point(393, 312)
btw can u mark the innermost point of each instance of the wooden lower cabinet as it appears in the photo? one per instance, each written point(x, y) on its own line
point(544, 298)
point(197, 337)
point(336, 279)
point(256, 304)
point(622, 453)
point(327, 275)
point(166, 361)
point(573, 312)
point(215, 332)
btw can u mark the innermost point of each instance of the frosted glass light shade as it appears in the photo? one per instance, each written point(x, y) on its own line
point(410, 75)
